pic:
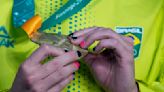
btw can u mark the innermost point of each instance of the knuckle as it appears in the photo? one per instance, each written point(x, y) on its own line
point(97, 30)
point(30, 80)
point(60, 73)
point(131, 48)
point(54, 64)
point(24, 68)
point(109, 30)
point(92, 37)
point(117, 36)
point(130, 40)
point(38, 88)
point(113, 34)
point(44, 47)
point(59, 86)
point(115, 42)
point(129, 59)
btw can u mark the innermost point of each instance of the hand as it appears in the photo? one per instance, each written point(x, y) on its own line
point(49, 77)
point(113, 68)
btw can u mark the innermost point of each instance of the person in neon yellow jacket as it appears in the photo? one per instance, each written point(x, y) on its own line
point(141, 20)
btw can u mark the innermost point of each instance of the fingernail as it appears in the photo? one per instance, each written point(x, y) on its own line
point(74, 38)
point(94, 48)
point(77, 65)
point(79, 53)
point(71, 35)
point(66, 50)
point(82, 44)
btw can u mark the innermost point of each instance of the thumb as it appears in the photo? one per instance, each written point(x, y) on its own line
point(89, 59)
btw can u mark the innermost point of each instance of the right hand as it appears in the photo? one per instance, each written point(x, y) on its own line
point(50, 77)
point(113, 67)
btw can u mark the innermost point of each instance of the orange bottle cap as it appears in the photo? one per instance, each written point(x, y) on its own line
point(32, 25)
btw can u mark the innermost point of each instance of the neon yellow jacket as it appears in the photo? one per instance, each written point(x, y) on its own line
point(141, 19)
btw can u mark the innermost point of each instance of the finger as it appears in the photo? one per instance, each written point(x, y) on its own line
point(129, 40)
point(79, 36)
point(64, 59)
point(78, 40)
point(57, 76)
point(42, 52)
point(111, 44)
point(60, 86)
point(55, 64)
point(82, 32)
point(89, 59)
point(99, 35)
point(106, 34)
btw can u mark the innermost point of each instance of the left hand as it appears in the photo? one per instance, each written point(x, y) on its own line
point(113, 68)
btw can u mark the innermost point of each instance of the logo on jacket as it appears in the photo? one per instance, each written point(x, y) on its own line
point(135, 33)
point(5, 39)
